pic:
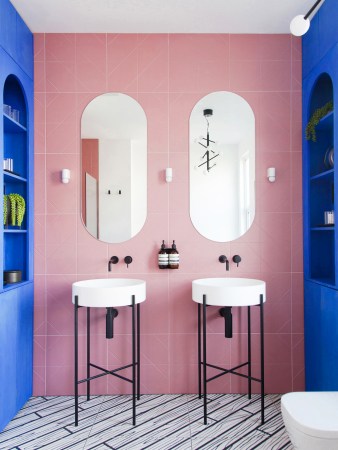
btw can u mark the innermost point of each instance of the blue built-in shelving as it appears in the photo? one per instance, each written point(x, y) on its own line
point(320, 194)
point(16, 244)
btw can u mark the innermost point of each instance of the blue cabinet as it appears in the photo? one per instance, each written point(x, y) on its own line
point(320, 195)
point(16, 137)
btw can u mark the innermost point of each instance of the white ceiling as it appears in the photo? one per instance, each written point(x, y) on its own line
point(160, 16)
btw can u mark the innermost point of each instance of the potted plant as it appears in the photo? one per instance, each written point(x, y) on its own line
point(14, 209)
point(318, 114)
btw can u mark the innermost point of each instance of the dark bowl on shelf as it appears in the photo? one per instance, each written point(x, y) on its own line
point(12, 276)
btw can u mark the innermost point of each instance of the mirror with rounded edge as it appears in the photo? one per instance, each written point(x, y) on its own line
point(113, 167)
point(222, 166)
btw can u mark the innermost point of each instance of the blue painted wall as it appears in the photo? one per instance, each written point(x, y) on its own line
point(16, 301)
point(322, 35)
point(16, 38)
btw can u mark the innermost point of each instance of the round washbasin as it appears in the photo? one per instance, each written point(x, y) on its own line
point(108, 292)
point(228, 291)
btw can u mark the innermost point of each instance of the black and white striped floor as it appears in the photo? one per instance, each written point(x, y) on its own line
point(163, 422)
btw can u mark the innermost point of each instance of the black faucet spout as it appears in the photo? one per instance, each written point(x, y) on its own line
point(224, 259)
point(113, 260)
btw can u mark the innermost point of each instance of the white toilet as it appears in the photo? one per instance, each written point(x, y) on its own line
point(311, 419)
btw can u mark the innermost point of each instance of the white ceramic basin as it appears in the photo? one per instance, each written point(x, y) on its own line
point(108, 292)
point(228, 291)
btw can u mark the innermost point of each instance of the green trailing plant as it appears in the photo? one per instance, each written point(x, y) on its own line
point(318, 114)
point(17, 208)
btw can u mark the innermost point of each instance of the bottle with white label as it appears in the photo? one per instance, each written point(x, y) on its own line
point(163, 257)
point(174, 257)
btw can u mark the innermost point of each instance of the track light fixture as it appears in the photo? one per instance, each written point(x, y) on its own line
point(300, 24)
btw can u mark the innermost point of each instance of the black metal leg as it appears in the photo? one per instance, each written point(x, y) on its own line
point(262, 354)
point(205, 358)
point(199, 350)
point(133, 356)
point(76, 369)
point(88, 353)
point(249, 352)
point(138, 352)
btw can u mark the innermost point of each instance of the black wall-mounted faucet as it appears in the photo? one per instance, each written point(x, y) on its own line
point(224, 259)
point(113, 260)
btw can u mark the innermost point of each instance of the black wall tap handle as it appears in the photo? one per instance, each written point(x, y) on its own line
point(128, 260)
point(237, 259)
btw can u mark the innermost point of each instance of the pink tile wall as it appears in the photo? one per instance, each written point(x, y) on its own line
point(167, 74)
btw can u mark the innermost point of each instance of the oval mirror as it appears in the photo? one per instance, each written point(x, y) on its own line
point(113, 167)
point(222, 166)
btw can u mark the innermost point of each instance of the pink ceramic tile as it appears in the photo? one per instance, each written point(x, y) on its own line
point(61, 198)
point(244, 47)
point(91, 62)
point(60, 259)
point(153, 63)
point(245, 75)
point(180, 108)
point(155, 106)
point(60, 229)
point(275, 47)
point(182, 309)
point(296, 182)
point(60, 76)
point(297, 243)
point(297, 303)
point(40, 259)
point(39, 47)
point(276, 75)
point(298, 381)
point(39, 125)
point(60, 47)
point(39, 306)
point(296, 79)
point(39, 381)
point(97, 263)
point(155, 379)
point(60, 310)
point(39, 351)
point(274, 129)
point(275, 238)
point(198, 63)
point(60, 380)
point(296, 45)
point(183, 349)
point(179, 188)
point(155, 310)
point(298, 349)
point(184, 379)
point(250, 254)
point(39, 76)
point(157, 198)
point(40, 230)
point(122, 62)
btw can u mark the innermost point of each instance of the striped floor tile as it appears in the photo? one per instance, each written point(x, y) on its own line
point(164, 422)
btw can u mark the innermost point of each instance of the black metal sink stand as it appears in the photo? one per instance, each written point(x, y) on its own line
point(202, 364)
point(135, 365)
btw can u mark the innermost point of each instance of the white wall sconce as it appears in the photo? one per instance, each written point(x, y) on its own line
point(300, 24)
point(169, 174)
point(65, 176)
point(271, 174)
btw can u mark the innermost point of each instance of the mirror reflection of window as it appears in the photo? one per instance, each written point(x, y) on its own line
point(114, 153)
point(222, 193)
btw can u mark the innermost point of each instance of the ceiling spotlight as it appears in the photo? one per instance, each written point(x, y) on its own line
point(300, 24)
